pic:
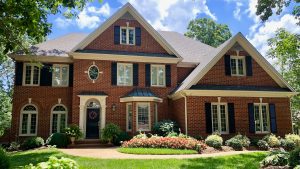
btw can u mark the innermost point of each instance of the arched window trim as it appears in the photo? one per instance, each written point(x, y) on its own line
point(93, 65)
point(59, 117)
point(28, 120)
point(92, 100)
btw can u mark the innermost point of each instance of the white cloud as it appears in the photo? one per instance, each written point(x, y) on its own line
point(171, 14)
point(90, 17)
point(237, 10)
point(264, 31)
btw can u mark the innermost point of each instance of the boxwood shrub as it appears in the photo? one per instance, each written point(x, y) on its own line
point(214, 141)
point(32, 142)
point(272, 140)
point(238, 142)
point(60, 140)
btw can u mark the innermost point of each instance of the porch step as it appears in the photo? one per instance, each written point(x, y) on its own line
point(89, 143)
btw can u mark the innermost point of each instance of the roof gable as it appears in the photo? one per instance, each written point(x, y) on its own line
point(216, 55)
point(129, 12)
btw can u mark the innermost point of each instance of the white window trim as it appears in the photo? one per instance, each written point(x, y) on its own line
point(137, 117)
point(28, 121)
point(127, 35)
point(89, 72)
point(58, 118)
point(261, 117)
point(164, 77)
point(236, 64)
point(127, 115)
point(131, 75)
point(218, 104)
point(60, 66)
point(31, 75)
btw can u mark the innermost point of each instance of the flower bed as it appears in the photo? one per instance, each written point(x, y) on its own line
point(165, 142)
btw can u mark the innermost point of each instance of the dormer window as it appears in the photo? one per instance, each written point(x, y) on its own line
point(237, 64)
point(127, 36)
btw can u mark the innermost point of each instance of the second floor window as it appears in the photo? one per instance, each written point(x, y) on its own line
point(127, 36)
point(32, 75)
point(60, 75)
point(124, 74)
point(158, 75)
point(237, 64)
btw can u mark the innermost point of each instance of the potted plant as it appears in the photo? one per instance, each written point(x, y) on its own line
point(73, 131)
point(110, 131)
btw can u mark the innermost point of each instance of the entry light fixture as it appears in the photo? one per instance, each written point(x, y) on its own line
point(113, 107)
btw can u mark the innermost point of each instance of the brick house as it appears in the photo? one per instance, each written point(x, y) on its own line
point(127, 73)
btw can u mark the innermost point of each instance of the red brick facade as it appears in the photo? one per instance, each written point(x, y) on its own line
point(45, 97)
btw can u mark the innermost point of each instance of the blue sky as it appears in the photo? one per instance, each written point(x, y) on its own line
point(174, 15)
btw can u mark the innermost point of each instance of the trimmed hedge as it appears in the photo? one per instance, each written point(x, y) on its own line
point(214, 141)
point(59, 140)
point(32, 142)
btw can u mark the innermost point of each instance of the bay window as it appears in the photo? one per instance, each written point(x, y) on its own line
point(143, 116)
point(129, 117)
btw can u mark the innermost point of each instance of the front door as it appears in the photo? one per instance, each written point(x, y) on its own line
point(92, 123)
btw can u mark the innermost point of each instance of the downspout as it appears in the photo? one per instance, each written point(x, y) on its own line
point(185, 113)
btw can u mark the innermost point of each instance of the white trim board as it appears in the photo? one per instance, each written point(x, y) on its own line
point(130, 9)
point(141, 99)
point(200, 71)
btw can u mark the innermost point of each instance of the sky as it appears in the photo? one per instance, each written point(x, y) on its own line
point(174, 15)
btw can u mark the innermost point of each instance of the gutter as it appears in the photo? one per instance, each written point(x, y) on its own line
point(185, 113)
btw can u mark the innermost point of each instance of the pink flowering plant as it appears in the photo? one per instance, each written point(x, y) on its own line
point(165, 142)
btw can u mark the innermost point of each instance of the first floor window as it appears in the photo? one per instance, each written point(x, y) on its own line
point(143, 116)
point(129, 116)
point(124, 74)
point(158, 75)
point(59, 119)
point(219, 117)
point(60, 75)
point(31, 75)
point(127, 36)
point(237, 64)
point(262, 121)
point(28, 120)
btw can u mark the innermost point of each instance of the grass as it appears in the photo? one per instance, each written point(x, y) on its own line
point(249, 161)
point(156, 151)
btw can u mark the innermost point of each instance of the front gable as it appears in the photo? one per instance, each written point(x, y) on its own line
point(105, 38)
point(252, 73)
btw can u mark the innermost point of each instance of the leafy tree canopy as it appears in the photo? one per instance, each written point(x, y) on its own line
point(26, 21)
point(208, 31)
point(265, 8)
point(285, 49)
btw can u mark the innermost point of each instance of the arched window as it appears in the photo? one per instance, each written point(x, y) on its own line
point(93, 104)
point(29, 120)
point(58, 118)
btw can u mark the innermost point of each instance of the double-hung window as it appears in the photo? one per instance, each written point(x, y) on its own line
point(262, 119)
point(129, 117)
point(238, 65)
point(31, 75)
point(124, 74)
point(143, 116)
point(158, 75)
point(219, 114)
point(127, 36)
point(60, 75)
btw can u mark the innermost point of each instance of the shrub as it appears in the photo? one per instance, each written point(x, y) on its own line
point(73, 131)
point(254, 141)
point(172, 134)
point(55, 163)
point(272, 140)
point(287, 144)
point(297, 167)
point(214, 141)
point(165, 142)
point(4, 160)
point(121, 137)
point(14, 146)
point(294, 158)
point(60, 140)
point(110, 131)
point(238, 142)
point(32, 142)
point(141, 135)
point(277, 158)
point(103, 141)
point(263, 145)
point(163, 128)
point(293, 137)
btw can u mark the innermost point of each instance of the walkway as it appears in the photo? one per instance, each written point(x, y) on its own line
point(112, 153)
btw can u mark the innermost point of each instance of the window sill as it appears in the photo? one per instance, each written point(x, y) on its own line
point(27, 134)
point(60, 86)
point(158, 86)
point(30, 85)
point(266, 132)
point(238, 75)
point(143, 130)
point(124, 85)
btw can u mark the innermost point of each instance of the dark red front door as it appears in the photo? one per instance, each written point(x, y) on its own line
point(92, 123)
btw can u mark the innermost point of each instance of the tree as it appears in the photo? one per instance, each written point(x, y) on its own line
point(5, 110)
point(265, 8)
point(25, 21)
point(285, 49)
point(208, 31)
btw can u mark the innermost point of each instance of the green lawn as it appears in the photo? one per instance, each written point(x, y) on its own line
point(155, 151)
point(248, 161)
